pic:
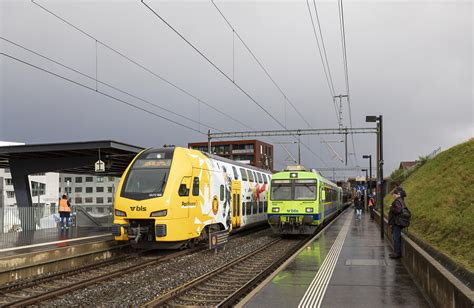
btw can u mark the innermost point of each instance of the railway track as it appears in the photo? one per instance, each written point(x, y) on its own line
point(224, 286)
point(38, 290)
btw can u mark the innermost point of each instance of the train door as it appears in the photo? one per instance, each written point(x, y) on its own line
point(236, 212)
point(194, 194)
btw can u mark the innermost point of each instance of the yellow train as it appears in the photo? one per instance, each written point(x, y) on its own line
point(174, 197)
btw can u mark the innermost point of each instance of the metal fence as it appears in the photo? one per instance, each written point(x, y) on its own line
point(18, 219)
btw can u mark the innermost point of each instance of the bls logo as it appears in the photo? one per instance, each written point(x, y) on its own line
point(138, 208)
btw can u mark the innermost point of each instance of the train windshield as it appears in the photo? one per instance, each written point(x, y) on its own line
point(281, 190)
point(305, 190)
point(147, 177)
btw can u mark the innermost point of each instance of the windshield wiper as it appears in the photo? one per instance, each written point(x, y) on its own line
point(163, 183)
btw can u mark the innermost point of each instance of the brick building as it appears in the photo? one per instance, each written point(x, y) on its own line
point(252, 152)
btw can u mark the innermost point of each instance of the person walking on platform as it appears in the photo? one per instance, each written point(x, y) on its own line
point(371, 204)
point(64, 212)
point(359, 206)
point(394, 220)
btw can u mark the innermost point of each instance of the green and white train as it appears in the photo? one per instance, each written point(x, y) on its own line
point(299, 201)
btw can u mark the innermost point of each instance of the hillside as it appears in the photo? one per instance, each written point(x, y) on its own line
point(441, 199)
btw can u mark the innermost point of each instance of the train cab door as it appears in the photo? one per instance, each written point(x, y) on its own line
point(236, 206)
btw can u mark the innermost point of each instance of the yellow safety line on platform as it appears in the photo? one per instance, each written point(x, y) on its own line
point(52, 243)
point(314, 295)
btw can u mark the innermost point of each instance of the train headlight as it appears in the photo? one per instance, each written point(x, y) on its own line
point(120, 213)
point(159, 213)
point(309, 210)
point(275, 209)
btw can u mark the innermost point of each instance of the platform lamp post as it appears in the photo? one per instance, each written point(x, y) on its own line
point(379, 121)
point(370, 169)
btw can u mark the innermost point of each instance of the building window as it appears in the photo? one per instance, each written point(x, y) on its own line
point(111, 179)
point(89, 200)
point(66, 179)
point(78, 189)
point(7, 170)
point(89, 190)
point(10, 194)
point(100, 210)
point(78, 200)
point(110, 189)
point(89, 179)
point(8, 182)
point(100, 179)
point(78, 179)
point(109, 200)
point(37, 188)
point(99, 200)
point(88, 209)
point(99, 189)
point(59, 189)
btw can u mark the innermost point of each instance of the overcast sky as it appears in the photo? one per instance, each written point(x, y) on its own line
point(410, 61)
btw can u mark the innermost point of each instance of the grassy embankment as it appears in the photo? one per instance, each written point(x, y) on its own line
point(441, 199)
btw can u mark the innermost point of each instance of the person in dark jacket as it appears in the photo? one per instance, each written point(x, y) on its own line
point(393, 220)
point(359, 206)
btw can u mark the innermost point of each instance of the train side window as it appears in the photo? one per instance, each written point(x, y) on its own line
point(254, 176)
point(264, 178)
point(183, 190)
point(244, 174)
point(251, 176)
point(248, 209)
point(260, 207)
point(259, 175)
point(243, 208)
point(265, 206)
point(255, 207)
point(196, 186)
point(222, 192)
point(236, 175)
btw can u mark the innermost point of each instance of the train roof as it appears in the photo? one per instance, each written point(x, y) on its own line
point(215, 157)
point(308, 174)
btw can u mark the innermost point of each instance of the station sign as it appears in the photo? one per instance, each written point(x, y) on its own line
point(99, 166)
point(218, 239)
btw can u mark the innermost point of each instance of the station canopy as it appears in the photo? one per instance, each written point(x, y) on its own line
point(115, 155)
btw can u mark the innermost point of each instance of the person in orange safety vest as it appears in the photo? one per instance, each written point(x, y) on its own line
point(64, 212)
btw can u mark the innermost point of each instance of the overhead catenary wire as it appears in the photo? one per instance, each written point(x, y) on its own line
point(260, 64)
point(346, 73)
point(325, 64)
point(218, 69)
point(213, 64)
point(98, 91)
point(135, 62)
point(97, 81)
point(236, 33)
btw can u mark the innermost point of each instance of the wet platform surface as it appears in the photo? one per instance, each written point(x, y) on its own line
point(39, 240)
point(348, 266)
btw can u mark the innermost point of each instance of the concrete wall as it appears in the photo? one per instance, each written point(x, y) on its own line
point(441, 287)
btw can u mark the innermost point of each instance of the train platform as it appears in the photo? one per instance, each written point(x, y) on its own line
point(346, 265)
point(46, 239)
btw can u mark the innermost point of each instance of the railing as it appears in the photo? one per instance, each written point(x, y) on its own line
point(18, 219)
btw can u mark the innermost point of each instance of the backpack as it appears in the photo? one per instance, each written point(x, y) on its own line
point(403, 219)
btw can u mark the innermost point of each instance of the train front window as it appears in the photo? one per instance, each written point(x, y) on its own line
point(146, 181)
point(281, 190)
point(305, 189)
point(148, 175)
point(305, 192)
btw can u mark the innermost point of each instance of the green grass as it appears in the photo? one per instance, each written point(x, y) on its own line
point(441, 199)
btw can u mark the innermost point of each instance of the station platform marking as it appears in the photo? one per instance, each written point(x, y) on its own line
point(55, 242)
point(314, 295)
